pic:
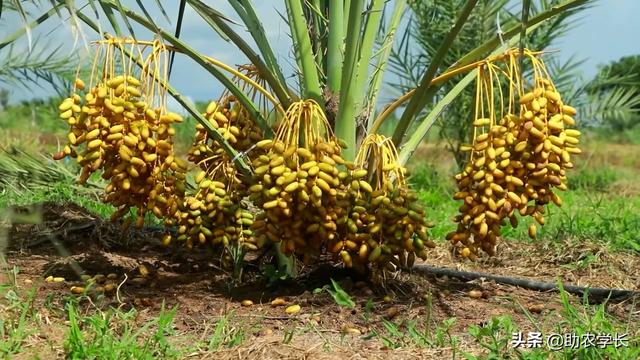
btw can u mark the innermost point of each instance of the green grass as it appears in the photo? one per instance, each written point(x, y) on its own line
point(114, 334)
point(94, 333)
point(225, 335)
point(628, 136)
point(495, 336)
point(593, 179)
point(581, 320)
point(14, 328)
point(418, 334)
point(587, 216)
point(340, 297)
point(39, 115)
point(59, 192)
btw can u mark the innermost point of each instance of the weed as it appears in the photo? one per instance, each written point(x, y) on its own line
point(582, 263)
point(584, 321)
point(496, 337)
point(113, 335)
point(273, 275)
point(424, 334)
point(427, 177)
point(288, 335)
point(14, 328)
point(581, 322)
point(225, 335)
point(341, 297)
point(368, 309)
point(414, 334)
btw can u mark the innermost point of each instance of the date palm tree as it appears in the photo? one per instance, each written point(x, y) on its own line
point(342, 51)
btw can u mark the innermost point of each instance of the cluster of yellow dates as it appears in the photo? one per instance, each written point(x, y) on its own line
point(299, 186)
point(114, 130)
point(386, 226)
point(216, 214)
point(515, 166)
point(315, 202)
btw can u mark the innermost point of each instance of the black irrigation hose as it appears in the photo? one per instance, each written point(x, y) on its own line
point(595, 295)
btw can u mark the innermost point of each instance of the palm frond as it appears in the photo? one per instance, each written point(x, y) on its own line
point(181, 9)
point(567, 77)
point(618, 109)
point(29, 68)
point(21, 171)
point(606, 81)
point(556, 27)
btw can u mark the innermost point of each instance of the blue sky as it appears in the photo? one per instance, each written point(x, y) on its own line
point(606, 32)
point(602, 34)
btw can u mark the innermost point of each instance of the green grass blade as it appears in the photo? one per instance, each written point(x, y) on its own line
point(340, 296)
point(304, 51)
point(345, 121)
point(334, 50)
point(421, 95)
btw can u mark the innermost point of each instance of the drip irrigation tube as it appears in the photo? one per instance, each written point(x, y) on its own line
point(594, 294)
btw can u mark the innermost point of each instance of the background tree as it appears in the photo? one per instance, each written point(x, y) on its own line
point(624, 72)
point(4, 98)
point(619, 79)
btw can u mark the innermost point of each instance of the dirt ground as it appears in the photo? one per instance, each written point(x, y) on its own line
point(72, 242)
